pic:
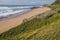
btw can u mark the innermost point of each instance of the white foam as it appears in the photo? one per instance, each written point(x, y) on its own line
point(11, 12)
point(4, 11)
point(23, 7)
point(1, 8)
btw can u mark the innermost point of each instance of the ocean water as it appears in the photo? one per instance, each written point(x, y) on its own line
point(13, 9)
point(4, 11)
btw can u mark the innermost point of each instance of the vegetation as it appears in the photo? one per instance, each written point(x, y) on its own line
point(56, 5)
point(57, 2)
point(45, 28)
point(31, 29)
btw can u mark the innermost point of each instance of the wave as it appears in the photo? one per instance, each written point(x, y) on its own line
point(4, 11)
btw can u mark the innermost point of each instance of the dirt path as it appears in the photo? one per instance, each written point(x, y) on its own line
point(13, 22)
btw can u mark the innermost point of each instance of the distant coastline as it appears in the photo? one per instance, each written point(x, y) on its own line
point(32, 6)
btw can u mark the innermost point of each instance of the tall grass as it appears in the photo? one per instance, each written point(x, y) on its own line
point(29, 28)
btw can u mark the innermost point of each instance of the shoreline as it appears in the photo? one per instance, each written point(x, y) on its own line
point(16, 14)
point(5, 25)
point(13, 15)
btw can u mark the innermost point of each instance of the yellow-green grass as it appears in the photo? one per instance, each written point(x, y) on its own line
point(36, 29)
point(49, 32)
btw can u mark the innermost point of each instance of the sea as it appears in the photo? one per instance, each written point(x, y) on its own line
point(9, 10)
point(15, 9)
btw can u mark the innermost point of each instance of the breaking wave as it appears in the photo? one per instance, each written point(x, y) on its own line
point(4, 11)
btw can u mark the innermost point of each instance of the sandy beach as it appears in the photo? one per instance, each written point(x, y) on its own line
point(5, 25)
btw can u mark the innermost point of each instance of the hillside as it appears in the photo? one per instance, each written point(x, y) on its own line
point(45, 28)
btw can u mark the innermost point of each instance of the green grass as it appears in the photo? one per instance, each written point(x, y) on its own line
point(56, 5)
point(30, 30)
point(57, 2)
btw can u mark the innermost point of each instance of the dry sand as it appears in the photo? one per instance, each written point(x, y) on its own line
point(5, 25)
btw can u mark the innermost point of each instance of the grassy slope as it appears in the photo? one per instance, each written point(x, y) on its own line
point(33, 29)
point(46, 28)
point(50, 32)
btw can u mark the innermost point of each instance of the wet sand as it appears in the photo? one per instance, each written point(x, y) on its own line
point(5, 25)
